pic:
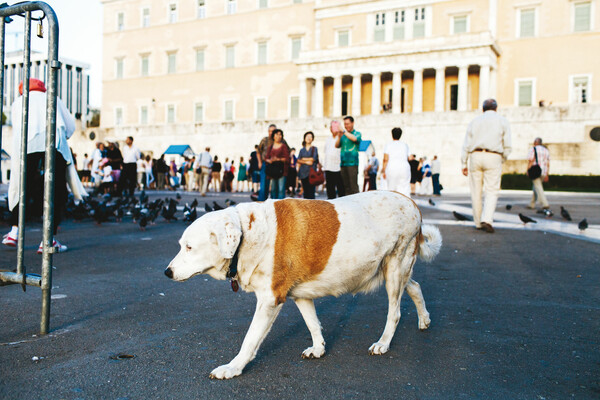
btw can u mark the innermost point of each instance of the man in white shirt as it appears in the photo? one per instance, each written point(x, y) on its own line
point(487, 145)
point(202, 168)
point(436, 168)
point(128, 179)
point(539, 155)
point(332, 162)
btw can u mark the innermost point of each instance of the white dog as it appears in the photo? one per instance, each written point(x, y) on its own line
point(305, 249)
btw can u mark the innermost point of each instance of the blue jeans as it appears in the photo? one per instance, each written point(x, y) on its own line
point(263, 192)
point(278, 188)
point(436, 183)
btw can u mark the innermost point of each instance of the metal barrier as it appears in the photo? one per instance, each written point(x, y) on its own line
point(20, 276)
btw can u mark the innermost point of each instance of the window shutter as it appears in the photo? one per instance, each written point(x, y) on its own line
point(582, 17)
point(525, 93)
point(527, 23)
point(460, 24)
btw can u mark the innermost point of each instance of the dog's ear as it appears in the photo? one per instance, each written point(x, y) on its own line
point(229, 235)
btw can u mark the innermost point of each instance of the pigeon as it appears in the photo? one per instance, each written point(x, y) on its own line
point(508, 206)
point(189, 214)
point(525, 219)
point(229, 203)
point(460, 217)
point(431, 202)
point(178, 196)
point(583, 224)
point(168, 211)
point(565, 214)
point(194, 203)
point(216, 206)
point(143, 222)
point(207, 208)
point(143, 197)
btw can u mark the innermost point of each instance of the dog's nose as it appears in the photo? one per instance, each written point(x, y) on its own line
point(169, 273)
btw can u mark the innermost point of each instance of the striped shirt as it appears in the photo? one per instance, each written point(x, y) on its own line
point(543, 156)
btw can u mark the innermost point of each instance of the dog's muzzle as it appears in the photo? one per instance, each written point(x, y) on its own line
point(169, 273)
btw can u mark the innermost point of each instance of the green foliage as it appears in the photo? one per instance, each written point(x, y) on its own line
point(560, 183)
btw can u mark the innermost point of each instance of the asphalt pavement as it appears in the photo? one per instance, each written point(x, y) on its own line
point(515, 314)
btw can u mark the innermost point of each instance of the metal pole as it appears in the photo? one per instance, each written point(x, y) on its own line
point(49, 182)
point(2, 26)
point(24, 136)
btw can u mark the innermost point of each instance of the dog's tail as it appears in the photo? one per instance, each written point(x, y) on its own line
point(430, 242)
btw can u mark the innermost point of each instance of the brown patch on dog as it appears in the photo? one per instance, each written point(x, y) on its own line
point(306, 234)
point(420, 239)
point(252, 219)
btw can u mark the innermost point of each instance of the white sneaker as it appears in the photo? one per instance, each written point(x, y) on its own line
point(9, 240)
point(58, 247)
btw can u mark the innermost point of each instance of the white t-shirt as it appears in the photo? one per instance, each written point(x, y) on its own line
point(397, 152)
point(140, 165)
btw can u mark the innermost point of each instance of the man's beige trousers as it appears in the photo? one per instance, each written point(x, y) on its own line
point(538, 193)
point(485, 173)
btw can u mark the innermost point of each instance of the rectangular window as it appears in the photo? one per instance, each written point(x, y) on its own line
point(119, 68)
point(201, 10)
point(228, 112)
point(261, 108)
point(263, 3)
point(379, 34)
point(459, 24)
point(580, 89)
point(146, 17)
point(229, 56)
point(199, 59)
point(145, 64)
point(399, 19)
point(199, 113)
point(296, 48)
point(527, 23)
point(120, 21)
point(143, 115)
point(231, 6)
point(525, 93)
point(297, 1)
point(294, 107)
point(582, 14)
point(119, 116)
point(172, 13)
point(172, 63)
point(343, 38)
point(170, 114)
point(419, 24)
point(261, 51)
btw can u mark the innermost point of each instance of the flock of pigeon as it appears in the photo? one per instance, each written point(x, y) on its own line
point(583, 224)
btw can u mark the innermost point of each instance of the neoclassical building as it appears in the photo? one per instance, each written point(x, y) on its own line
point(214, 71)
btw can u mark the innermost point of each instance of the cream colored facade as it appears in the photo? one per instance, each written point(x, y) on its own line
point(191, 66)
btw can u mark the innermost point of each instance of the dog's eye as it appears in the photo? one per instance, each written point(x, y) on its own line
point(188, 247)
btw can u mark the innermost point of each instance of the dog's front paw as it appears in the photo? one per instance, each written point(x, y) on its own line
point(225, 372)
point(378, 348)
point(424, 322)
point(313, 352)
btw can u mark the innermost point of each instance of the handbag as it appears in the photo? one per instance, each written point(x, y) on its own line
point(316, 177)
point(274, 170)
point(535, 171)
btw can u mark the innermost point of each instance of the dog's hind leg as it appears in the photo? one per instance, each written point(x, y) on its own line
point(414, 291)
point(396, 277)
point(307, 309)
point(264, 316)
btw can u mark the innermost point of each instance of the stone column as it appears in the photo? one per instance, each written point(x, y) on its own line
point(418, 91)
point(396, 92)
point(356, 95)
point(318, 104)
point(440, 88)
point(463, 86)
point(376, 93)
point(303, 98)
point(484, 83)
point(337, 96)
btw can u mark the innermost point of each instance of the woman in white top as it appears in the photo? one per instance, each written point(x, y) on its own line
point(396, 169)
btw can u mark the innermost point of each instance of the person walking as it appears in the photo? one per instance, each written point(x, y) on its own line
point(486, 146)
point(426, 188)
point(254, 170)
point(371, 171)
point(396, 169)
point(162, 170)
point(277, 161)
point(332, 163)
point(216, 174)
point(435, 176)
point(148, 171)
point(307, 157)
point(263, 146)
point(242, 177)
point(348, 143)
point(292, 176)
point(414, 173)
point(203, 170)
point(539, 155)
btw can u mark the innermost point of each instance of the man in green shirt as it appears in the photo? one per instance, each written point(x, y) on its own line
point(348, 142)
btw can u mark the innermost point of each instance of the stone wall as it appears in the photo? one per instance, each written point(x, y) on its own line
point(565, 130)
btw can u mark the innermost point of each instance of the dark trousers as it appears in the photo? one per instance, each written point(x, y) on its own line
point(308, 189)
point(263, 192)
point(435, 178)
point(128, 179)
point(333, 183)
point(350, 179)
point(35, 188)
point(372, 181)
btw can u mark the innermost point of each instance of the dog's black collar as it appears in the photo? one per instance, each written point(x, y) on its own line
point(234, 261)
